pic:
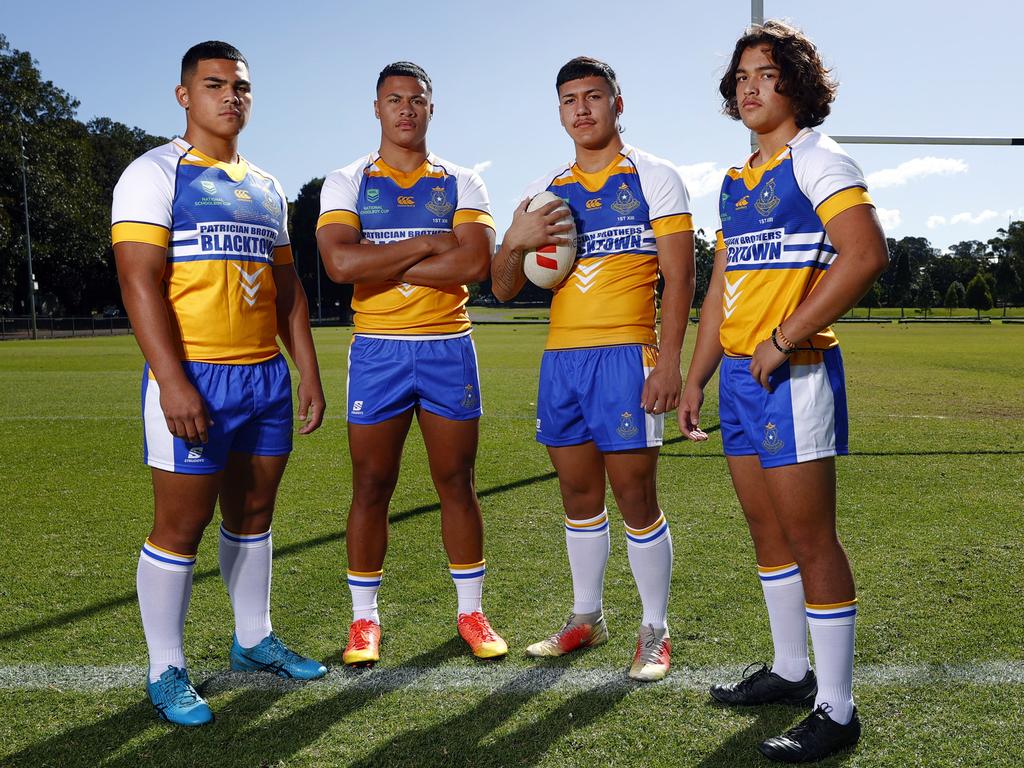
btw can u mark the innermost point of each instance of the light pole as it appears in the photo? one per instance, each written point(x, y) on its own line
point(28, 233)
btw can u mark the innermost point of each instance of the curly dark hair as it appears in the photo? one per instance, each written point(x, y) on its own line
point(802, 75)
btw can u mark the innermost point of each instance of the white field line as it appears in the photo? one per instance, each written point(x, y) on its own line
point(495, 677)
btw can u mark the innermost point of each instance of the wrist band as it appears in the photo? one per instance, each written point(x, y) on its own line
point(786, 351)
point(785, 339)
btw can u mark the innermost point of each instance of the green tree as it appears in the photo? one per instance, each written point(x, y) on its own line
point(903, 277)
point(704, 262)
point(871, 299)
point(927, 297)
point(954, 297)
point(1007, 281)
point(979, 298)
point(334, 300)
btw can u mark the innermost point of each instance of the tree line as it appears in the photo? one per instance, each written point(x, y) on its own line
point(71, 168)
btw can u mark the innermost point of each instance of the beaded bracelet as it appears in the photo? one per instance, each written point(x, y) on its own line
point(787, 351)
point(785, 339)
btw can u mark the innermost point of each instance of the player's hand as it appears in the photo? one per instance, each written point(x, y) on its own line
point(661, 390)
point(184, 411)
point(689, 414)
point(531, 230)
point(764, 362)
point(311, 406)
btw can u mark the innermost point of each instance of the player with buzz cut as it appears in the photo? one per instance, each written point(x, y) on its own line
point(201, 242)
point(799, 244)
point(605, 380)
point(410, 230)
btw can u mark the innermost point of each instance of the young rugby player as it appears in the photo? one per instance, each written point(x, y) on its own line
point(799, 245)
point(205, 266)
point(605, 382)
point(410, 230)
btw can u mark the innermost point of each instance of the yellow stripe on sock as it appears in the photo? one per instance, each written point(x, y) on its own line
point(470, 566)
point(649, 528)
point(825, 606)
point(772, 568)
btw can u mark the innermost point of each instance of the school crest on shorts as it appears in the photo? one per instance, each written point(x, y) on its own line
point(627, 426)
point(625, 200)
point(767, 200)
point(438, 204)
point(772, 443)
point(469, 398)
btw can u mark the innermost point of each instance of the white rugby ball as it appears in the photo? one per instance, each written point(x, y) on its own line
point(547, 267)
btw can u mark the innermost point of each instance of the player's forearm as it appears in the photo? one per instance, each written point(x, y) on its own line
point(839, 290)
point(707, 352)
point(507, 276)
point(458, 266)
point(293, 325)
point(675, 305)
point(151, 325)
point(366, 263)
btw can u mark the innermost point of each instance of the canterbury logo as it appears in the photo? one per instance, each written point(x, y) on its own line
point(250, 286)
point(593, 203)
point(241, 194)
point(406, 200)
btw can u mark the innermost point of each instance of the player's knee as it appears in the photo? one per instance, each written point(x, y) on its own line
point(372, 488)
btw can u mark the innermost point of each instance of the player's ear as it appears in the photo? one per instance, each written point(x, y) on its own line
point(376, 109)
point(618, 105)
point(181, 94)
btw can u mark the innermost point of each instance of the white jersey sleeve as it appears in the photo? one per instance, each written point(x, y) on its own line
point(143, 200)
point(829, 177)
point(474, 205)
point(338, 196)
point(668, 202)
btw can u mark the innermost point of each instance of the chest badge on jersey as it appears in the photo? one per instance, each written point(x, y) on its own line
point(772, 442)
point(625, 200)
point(438, 204)
point(372, 195)
point(767, 200)
point(627, 426)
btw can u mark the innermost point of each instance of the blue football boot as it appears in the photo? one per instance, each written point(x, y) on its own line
point(271, 655)
point(176, 701)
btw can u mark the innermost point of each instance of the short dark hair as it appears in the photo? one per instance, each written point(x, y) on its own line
point(211, 49)
point(404, 69)
point(802, 76)
point(585, 66)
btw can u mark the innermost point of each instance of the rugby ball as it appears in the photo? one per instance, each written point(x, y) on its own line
point(547, 267)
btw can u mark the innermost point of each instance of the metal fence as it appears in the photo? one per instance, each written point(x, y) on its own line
point(20, 327)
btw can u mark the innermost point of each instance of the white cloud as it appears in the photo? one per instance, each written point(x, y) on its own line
point(971, 218)
point(889, 217)
point(702, 178)
point(481, 167)
point(914, 169)
point(936, 221)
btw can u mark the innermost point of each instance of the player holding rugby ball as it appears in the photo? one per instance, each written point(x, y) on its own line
point(605, 382)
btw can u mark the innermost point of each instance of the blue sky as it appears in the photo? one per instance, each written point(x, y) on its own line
point(904, 67)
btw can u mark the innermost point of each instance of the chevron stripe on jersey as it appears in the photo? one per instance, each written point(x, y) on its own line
point(224, 227)
point(386, 205)
point(608, 297)
point(773, 221)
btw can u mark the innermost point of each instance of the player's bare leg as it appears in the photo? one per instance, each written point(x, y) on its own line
point(183, 507)
point(248, 490)
point(451, 451)
point(376, 452)
point(632, 475)
point(789, 678)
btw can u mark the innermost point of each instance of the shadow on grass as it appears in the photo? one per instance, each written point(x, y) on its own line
point(243, 734)
point(280, 553)
point(740, 749)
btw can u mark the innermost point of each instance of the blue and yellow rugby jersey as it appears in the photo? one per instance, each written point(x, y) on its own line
point(386, 205)
point(609, 295)
point(224, 226)
point(773, 221)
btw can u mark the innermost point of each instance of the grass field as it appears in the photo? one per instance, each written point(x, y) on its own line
point(930, 511)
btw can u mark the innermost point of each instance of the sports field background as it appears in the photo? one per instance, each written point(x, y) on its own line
point(931, 512)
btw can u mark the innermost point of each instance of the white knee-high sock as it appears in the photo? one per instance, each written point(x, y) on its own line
point(832, 633)
point(784, 597)
point(245, 565)
point(363, 586)
point(650, 559)
point(164, 584)
point(588, 544)
point(469, 585)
